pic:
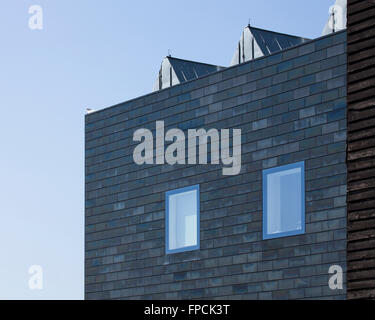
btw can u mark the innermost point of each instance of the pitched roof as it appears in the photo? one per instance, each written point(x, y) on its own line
point(188, 70)
point(271, 42)
point(255, 43)
point(174, 71)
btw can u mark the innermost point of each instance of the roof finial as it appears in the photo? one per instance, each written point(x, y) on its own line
point(89, 110)
point(169, 53)
point(248, 24)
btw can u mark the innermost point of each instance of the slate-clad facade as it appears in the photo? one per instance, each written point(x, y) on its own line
point(291, 107)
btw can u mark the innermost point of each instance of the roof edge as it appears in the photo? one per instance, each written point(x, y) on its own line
point(192, 61)
point(281, 33)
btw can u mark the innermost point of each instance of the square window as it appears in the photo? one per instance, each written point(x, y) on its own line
point(182, 219)
point(284, 201)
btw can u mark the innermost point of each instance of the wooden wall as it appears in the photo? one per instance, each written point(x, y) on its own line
point(361, 149)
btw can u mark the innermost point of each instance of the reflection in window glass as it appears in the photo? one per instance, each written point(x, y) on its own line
point(182, 214)
point(283, 201)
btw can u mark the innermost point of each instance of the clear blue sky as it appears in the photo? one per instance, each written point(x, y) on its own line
point(92, 53)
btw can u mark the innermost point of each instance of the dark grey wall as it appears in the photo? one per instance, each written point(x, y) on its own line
point(291, 107)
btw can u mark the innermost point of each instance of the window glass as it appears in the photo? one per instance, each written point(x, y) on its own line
point(283, 201)
point(182, 212)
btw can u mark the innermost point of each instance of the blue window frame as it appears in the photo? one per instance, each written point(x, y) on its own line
point(182, 219)
point(284, 201)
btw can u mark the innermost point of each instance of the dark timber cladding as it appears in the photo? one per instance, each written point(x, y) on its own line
point(361, 149)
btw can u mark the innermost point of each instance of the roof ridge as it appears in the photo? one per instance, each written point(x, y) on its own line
point(192, 61)
point(281, 33)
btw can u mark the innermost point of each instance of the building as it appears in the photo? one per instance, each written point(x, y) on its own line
point(272, 229)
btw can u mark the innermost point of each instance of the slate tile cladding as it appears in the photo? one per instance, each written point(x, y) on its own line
point(291, 106)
